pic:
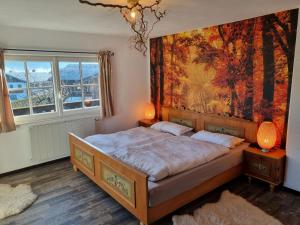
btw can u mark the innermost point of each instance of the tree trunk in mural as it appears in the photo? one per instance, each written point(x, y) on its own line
point(153, 72)
point(291, 54)
point(291, 36)
point(231, 85)
point(248, 106)
point(173, 67)
point(230, 68)
point(162, 76)
point(157, 74)
point(289, 48)
point(287, 44)
point(269, 69)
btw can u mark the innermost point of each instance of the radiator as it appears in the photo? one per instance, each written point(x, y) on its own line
point(50, 141)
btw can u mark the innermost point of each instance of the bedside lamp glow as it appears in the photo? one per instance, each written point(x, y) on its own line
point(266, 136)
point(149, 111)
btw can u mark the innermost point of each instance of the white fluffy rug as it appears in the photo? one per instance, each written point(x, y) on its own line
point(230, 210)
point(14, 200)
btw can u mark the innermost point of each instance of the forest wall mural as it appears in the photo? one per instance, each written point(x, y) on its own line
point(242, 69)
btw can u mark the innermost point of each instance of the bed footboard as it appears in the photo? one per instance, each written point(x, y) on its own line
point(129, 186)
point(125, 184)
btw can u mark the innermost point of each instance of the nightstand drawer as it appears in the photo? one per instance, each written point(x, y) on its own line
point(266, 166)
point(259, 166)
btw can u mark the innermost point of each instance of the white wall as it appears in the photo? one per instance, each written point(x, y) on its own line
point(131, 83)
point(292, 178)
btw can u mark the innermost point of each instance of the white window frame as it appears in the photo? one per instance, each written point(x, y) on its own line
point(60, 113)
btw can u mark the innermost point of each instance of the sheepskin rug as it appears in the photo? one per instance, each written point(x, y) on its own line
point(230, 210)
point(14, 200)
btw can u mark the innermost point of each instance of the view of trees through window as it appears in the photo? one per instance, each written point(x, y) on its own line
point(34, 87)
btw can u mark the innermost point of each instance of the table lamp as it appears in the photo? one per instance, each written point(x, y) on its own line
point(266, 136)
point(149, 111)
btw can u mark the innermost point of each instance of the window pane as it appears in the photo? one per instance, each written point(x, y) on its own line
point(69, 73)
point(44, 109)
point(40, 74)
point(19, 102)
point(91, 103)
point(15, 74)
point(91, 92)
point(42, 96)
point(72, 97)
point(90, 72)
point(21, 112)
point(72, 105)
point(18, 98)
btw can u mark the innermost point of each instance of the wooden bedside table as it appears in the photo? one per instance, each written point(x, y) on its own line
point(147, 123)
point(268, 167)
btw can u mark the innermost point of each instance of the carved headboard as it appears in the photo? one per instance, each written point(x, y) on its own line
point(183, 117)
point(215, 123)
point(228, 125)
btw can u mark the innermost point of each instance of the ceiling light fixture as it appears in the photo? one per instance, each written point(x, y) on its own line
point(135, 15)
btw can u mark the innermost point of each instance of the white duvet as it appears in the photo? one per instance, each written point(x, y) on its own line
point(135, 136)
point(159, 155)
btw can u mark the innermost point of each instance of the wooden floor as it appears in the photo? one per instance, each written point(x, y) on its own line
point(69, 198)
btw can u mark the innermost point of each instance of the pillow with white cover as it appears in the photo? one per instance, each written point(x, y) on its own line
point(217, 138)
point(170, 127)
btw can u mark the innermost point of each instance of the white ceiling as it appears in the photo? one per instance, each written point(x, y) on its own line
point(183, 15)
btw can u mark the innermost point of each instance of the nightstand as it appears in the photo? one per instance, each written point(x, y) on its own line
point(147, 123)
point(268, 167)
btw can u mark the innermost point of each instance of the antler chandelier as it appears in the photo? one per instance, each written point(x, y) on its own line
point(135, 15)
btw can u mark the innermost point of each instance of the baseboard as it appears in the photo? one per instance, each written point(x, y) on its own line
point(34, 166)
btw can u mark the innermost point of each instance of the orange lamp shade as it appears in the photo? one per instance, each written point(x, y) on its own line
point(267, 135)
point(149, 111)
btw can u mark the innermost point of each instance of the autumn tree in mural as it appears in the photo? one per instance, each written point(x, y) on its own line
point(242, 69)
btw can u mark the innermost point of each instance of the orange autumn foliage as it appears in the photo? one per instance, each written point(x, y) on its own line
point(242, 69)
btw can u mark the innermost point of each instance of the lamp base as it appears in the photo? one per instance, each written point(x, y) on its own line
point(265, 150)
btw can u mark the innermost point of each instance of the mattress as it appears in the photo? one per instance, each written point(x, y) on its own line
point(169, 188)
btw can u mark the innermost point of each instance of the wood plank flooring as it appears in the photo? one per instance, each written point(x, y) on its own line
point(69, 198)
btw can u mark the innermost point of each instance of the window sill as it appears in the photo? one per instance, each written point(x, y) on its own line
point(51, 119)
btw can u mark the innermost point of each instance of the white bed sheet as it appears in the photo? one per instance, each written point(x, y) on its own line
point(157, 154)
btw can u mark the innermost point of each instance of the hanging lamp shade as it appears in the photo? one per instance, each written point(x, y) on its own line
point(149, 111)
point(267, 136)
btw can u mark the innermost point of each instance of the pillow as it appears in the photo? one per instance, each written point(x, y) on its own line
point(220, 139)
point(170, 127)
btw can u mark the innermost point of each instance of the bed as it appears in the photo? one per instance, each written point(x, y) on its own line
point(148, 200)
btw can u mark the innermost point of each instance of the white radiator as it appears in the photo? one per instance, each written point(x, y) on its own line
point(50, 141)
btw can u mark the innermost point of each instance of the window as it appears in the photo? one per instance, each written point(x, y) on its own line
point(79, 84)
point(52, 86)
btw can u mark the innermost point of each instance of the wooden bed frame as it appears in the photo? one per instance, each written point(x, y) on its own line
point(129, 186)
